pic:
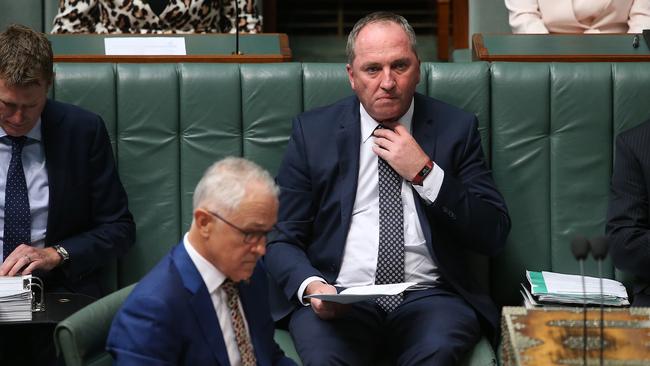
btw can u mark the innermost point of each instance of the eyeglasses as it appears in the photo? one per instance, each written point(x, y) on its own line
point(250, 237)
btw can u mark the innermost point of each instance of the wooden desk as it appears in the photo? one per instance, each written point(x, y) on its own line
point(553, 336)
point(559, 47)
point(255, 48)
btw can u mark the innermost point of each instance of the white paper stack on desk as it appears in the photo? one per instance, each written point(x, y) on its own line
point(15, 298)
point(558, 288)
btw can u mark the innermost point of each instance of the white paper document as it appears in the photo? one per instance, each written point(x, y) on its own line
point(361, 293)
point(15, 299)
point(567, 289)
point(144, 46)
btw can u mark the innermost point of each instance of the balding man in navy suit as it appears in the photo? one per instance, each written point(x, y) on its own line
point(387, 186)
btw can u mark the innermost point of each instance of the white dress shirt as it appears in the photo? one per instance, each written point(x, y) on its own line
point(38, 191)
point(362, 243)
point(213, 279)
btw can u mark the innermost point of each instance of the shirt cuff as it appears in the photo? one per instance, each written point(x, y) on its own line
point(431, 185)
point(303, 287)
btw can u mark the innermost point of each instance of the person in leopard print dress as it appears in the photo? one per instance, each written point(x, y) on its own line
point(156, 16)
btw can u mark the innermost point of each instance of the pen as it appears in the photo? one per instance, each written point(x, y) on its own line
point(635, 41)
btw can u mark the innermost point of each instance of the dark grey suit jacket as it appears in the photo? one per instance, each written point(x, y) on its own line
point(628, 216)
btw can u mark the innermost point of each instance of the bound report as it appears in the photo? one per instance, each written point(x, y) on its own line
point(17, 297)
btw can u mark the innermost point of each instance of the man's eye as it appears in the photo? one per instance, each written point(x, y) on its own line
point(400, 67)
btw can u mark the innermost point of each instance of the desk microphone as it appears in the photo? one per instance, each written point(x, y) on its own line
point(580, 250)
point(599, 252)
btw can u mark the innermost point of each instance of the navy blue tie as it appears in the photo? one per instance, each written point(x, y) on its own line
point(18, 220)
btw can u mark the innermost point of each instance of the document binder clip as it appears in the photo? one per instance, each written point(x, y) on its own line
point(36, 286)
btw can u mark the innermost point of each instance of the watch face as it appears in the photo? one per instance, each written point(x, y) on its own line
point(425, 171)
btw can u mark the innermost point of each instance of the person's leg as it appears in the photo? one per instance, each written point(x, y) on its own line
point(434, 327)
point(352, 339)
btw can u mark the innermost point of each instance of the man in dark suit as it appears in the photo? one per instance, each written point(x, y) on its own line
point(206, 302)
point(362, 205)
point(63, 210)
point(628, 216)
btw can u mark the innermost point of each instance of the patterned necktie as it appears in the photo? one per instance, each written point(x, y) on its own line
point(390, 261)
point(241, 335)
point(18, 220)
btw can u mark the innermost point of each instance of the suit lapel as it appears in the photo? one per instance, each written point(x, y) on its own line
point(348, 139)
point(423, 126)
point(54, 161)
point(201, 304)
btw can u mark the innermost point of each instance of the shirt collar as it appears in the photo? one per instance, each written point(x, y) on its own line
point(212, 277)
point(368, 124)
point(34, 134)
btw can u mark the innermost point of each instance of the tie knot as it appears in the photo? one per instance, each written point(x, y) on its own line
point(17, 142)
point(229, 287)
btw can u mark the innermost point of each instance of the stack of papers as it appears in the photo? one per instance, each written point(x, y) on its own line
point(558, 288)
point(15, 299)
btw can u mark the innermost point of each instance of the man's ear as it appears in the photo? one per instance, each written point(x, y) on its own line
point(203, 222)
point(348, 68)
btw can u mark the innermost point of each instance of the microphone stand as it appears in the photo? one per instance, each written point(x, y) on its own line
point(580, 250)
point(599, 251)
point(237, 52)
point(584, 312)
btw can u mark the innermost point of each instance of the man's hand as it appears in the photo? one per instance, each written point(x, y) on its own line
point(325, 309)
point(28, 259)
point(400, 150)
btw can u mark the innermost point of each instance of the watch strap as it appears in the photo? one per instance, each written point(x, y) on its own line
point(418, 180)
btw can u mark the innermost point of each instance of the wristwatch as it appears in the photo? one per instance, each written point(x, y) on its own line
point(65, 257)
point(419, 178)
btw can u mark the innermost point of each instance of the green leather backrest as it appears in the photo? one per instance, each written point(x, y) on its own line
point(552, 133)
point(547, 129)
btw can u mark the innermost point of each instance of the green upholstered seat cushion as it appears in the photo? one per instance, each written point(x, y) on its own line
point(81, 338)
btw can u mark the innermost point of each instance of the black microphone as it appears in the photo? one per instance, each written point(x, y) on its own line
point(599, 252)
point(580, 250)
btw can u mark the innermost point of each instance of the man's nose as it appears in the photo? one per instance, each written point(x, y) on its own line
point(14, 115)
point(387, 80)
point(259, 248)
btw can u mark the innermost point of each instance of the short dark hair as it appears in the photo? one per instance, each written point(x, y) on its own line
point(25, 57)
point(378, 17)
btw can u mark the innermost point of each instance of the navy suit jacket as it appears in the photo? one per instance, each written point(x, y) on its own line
point(88, 211)
point(628, 217)
point(169, 319)
point(318, 182)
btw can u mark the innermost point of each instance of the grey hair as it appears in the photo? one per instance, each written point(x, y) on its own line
point(377, 17)
point(224, 183)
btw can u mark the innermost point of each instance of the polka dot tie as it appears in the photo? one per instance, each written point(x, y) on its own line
point(18, 220)
point(241, 335)
point(390, 261)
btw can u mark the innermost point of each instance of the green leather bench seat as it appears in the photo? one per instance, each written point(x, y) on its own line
point(547, 130)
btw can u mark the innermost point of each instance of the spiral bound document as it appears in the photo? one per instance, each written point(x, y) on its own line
point(19, 297)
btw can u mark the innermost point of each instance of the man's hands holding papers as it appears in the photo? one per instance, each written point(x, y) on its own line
point(329, 304)
point(324, 309)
